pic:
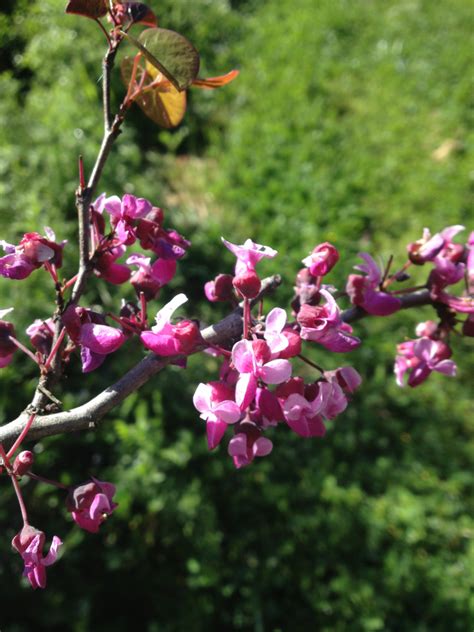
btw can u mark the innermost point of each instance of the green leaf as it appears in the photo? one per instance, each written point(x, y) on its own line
point(89, 8)
point(172, 54)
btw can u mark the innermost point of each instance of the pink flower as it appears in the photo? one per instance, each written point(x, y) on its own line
point(253, 361)
point(29, 543)
point(346, 376)
point(41, 334)
point(166, 339)
point(420, 357)
point(166, 244)
point(106, 267)
point(149, 279)
point(428, 247)
point(215, 403)
point(248, 443)
point(322, 260)
point(445, 272)
point(274, 325)
point(304, 416)
point(123, 214)
point(364, 291)
point(31, 253)
point(323, 324)
point(248, 254)
point(91, 503)
point(96, 339)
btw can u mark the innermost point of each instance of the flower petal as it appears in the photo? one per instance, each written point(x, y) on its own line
point(101, 338)
point(276, 371)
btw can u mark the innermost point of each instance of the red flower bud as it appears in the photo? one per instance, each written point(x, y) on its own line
point(23, 463)
point(247, 284)
point(187, 334)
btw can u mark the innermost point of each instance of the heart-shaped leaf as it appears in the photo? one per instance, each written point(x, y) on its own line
point(89, 8)
point(172, 54)
point(163, 104)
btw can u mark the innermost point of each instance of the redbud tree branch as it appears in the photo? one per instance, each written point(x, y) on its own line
point(84, 197)
point(88, 415)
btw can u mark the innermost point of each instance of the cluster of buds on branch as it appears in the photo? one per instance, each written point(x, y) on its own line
point(258, 388)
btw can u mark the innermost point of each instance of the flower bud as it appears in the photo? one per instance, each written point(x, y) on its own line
point(41, 335)
point(23, 463)
point(426, 329)
point(247, 283)
point(322, 260)
point(220, 289)
point(187, 334)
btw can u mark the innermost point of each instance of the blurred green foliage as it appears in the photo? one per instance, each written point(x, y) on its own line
point(333, 131)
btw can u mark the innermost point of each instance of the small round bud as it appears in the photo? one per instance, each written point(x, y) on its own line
point(247, 284)
point(23, 463)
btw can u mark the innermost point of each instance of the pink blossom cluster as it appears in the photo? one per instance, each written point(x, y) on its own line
point(452, 263)
point(257, 389)
point(132, 220)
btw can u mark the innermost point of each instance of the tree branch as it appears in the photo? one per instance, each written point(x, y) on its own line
point(88, 415)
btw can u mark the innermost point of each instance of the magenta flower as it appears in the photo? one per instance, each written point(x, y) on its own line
point(41, 334)
point(364, 291)
point(420, 357)
point(31, 253)
point(445, 272)
point(248, 254)
point(123, 214)
point(106, 267)
point(149, 279)
point(96, 339)
point(215, 403)
point(166, 339)
point(253, 361)
point(29, 543)
point(303, 415)
point(346, 376)
point(91, 503)
point(248, 443)
point(323, 324)
point(322, 260)
point(428, 247)
point(305, 407)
